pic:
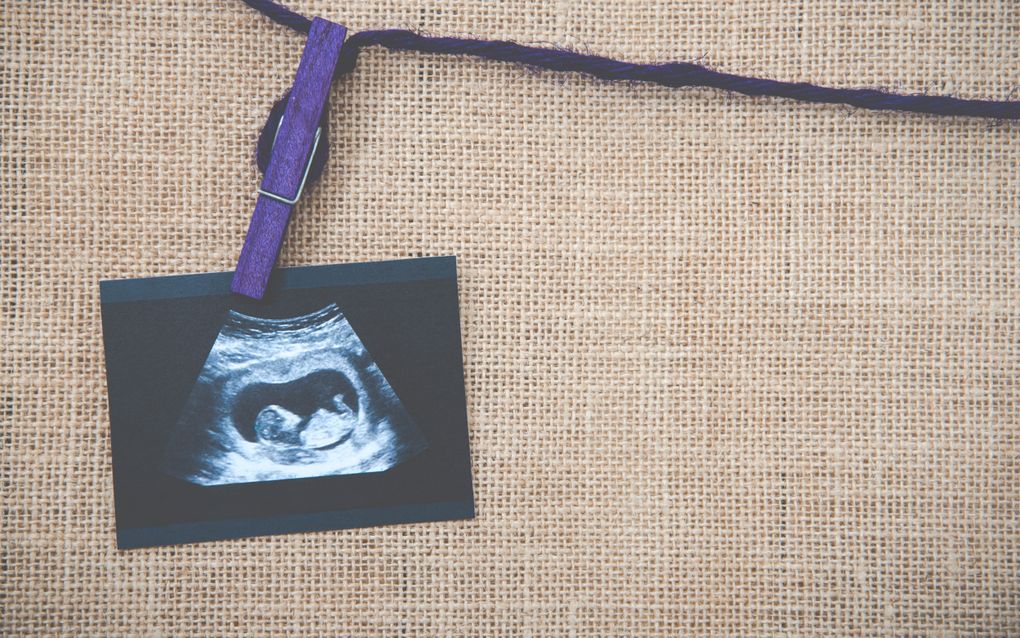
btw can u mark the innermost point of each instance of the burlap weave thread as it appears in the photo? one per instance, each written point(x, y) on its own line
point(735, 367)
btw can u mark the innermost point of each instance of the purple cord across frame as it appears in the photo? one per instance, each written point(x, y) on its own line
point(672, 74)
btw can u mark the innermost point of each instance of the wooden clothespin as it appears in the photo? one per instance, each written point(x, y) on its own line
point(296, 141)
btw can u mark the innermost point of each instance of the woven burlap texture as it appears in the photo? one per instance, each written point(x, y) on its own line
point(735, 367)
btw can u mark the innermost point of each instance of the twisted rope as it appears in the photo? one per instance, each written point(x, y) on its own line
point(672, 74)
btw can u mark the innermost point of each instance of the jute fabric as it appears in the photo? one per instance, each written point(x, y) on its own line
point(735, 367)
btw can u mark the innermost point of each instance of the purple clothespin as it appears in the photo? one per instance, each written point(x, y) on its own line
point(296, 141)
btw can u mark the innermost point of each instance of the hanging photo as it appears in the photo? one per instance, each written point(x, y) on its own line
point(337, 401)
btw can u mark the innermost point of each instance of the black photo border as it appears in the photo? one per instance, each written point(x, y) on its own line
point(121, 299)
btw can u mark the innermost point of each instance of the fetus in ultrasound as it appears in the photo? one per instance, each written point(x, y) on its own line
point(289, 398)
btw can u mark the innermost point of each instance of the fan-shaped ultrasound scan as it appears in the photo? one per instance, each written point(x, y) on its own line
point(289, 398)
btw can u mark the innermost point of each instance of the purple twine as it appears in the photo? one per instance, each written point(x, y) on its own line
point(672, 74)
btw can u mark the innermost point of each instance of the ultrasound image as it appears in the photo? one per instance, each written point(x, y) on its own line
point(289, 398)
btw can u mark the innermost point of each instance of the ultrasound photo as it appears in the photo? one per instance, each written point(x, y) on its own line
point(336, 401)
point(289, 398)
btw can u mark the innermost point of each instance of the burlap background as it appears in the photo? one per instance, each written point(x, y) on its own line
point(735, 367)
